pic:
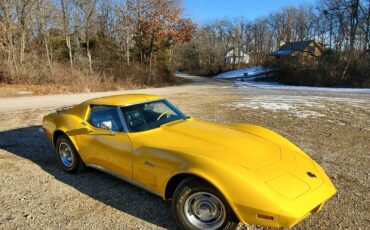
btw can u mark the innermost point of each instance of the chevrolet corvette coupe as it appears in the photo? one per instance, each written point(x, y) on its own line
point(215, 175)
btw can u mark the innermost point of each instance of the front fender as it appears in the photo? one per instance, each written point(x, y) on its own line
point(245, 194)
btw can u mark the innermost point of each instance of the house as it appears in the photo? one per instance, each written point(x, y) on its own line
point(298, 52)
point(236, 56)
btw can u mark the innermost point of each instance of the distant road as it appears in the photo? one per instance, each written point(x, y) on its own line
point(34, 102)
point(198, 84)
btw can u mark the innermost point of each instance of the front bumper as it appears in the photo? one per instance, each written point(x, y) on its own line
point(292, 212)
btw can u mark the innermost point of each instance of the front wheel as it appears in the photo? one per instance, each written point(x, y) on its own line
point(67, 155)
point(197, 205)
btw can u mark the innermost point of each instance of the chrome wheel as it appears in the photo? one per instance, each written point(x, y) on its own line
point(205, 211)
point(65, 154)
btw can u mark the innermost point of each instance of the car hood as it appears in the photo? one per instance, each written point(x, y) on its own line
point(213, 140)
point(286, 171)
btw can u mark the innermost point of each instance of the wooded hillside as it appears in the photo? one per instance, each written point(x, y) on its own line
point(80, 45)
point(341, 25)
point(90, 44)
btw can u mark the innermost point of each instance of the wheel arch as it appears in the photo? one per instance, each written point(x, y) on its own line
point(60, 132)
point(176, 179)
point(56, 134)
point(173, 183)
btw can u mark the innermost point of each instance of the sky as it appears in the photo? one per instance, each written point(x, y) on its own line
point(202, 11)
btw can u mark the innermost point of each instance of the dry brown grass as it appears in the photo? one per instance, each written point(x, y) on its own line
point(328, 72)
point(38, 78)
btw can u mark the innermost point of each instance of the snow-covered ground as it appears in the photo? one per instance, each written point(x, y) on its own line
point(274, 85)
point(315, 103)
point(299, 106)
point(311, 105)
point(256, 74)
point(251, 71)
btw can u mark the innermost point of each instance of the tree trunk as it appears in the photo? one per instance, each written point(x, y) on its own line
point(89, 59)
point(88, 52)
point(170, 59)
point(46, 41)
point(353, 30)
point(22, 45)
point(67, 33)
point(151, 56)
point(367, 32)
point(69, 46)
point(150, 68)
point(48, 54)
point(127, 50)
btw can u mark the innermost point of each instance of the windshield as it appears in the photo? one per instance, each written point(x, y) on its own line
point(150, 115)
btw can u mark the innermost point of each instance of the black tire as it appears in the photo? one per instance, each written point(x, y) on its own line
point(76, 164)
point(185, 190)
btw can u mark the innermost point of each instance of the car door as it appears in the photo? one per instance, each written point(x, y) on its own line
point(150, 164)
point(105, 145)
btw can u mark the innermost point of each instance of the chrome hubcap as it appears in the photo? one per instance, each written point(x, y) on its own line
point(65, 154)
point(205, 211)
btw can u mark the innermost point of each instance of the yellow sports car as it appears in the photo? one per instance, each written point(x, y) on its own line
point(216, 175)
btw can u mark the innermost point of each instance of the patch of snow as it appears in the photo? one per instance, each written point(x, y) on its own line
point(24, 92)
point(282, 52)
point(274, 106)
point(274, 85)
point(299, 106)
point(307, 113)
point(292, 105)
point(251, 71)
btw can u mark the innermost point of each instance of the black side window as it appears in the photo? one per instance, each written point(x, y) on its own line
point(134, 118)
point(105, 117)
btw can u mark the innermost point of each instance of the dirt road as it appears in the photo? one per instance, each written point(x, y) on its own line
point(32, 102)
point(332, 127)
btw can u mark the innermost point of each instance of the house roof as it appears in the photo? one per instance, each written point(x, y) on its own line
point(289, 47)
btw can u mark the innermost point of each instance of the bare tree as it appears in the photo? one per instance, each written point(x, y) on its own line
point(66, 29)
point(44, 16)
point(125, 27)
point(87, 9)
point(9, 28)
point(354, 19)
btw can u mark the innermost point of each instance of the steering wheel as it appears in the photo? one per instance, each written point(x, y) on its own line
point(162, 114)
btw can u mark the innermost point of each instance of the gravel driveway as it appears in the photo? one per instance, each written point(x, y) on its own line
point(333, 128)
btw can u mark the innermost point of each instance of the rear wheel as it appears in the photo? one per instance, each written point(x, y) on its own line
point(197, 205)
point(67, 155)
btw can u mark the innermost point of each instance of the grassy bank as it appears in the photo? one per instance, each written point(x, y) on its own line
point(329, 71)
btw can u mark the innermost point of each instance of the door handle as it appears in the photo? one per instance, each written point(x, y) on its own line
point(83, 123)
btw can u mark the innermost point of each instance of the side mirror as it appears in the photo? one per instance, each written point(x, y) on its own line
point(108, 125)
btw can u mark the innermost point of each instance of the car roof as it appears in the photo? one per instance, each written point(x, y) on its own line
point(122, 99)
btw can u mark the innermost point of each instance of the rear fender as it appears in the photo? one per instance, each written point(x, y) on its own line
point(70, 126)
